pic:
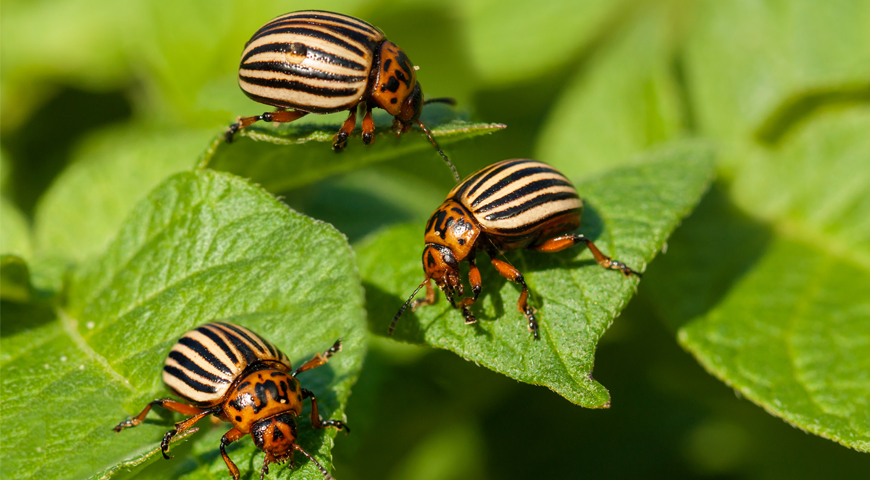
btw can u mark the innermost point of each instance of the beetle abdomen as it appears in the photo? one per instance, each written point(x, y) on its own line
point(310, 60)
point(202, 366)
point(515, 198)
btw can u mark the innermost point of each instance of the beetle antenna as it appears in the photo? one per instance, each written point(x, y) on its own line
point(447, 100)
point(402, 310)
point(438, 149)
point(326, 474)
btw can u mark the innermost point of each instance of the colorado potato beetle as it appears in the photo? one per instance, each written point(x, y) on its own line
point(313, 61)
point(232, 373)
point(508, 205)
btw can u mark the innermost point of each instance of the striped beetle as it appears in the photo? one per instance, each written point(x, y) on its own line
point(313, 61)
point(234, 374)
point(508, 205)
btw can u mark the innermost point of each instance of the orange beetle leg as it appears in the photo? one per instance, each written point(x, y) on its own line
point(368, 127)
point(509, 272)
point(227, 439)
point(316, 421)
point(166, 403)
point(566, 241)
point(280, 116)
point(346, 129)
point(320, 358)
point(181, 427)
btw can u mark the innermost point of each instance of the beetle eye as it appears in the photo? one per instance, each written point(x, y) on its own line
point(449, 260)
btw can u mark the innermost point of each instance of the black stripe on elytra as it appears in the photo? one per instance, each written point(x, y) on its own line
point(244, 343)
point(361, 38)
point(523, 191)
point(509, 179)
point(529, 227)
point(186, 362)
point(532, 203)
point(310, 32)
point(300, 71)
point(180, 375)
point(344, 19)
point(305, 108)
point(299, 86)
point(273, 350)
point(312, 53)
point(486, 175)
point(207, 355)
point(208, 331)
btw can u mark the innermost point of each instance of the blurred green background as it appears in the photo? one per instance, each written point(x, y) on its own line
point(84, 81)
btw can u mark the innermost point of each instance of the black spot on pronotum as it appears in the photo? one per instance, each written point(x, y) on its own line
point(392, 85)
point(238, 418)
point(276, 434)
point(430, 260)
point(387, 63)
point(394, 100)
point(405, 64)
point(461, 241)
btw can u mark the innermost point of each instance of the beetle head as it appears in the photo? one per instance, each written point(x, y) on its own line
point(441, 265)
point(409, 114)
point(275, 436)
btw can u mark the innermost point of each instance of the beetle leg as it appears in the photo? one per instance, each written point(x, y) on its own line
point(281, 116)
point(166, 403)
point(566, 241)
point(368, 127)
point(509, 272)
point(346, 129)
point(228, 438)
point(474, 280)
point(316, 421)
point(181, 427)
point(320, 358)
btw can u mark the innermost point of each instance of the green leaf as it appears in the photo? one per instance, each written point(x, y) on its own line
point(14, 279)
point(108, 174)
point(744, 59)
point(16, 246)
point(624, 102)
point(15, 236)
point(130, 468)
point(543, 34)
point(629, 211)
point(772, 288)
point(293, 155)
point(201, 247)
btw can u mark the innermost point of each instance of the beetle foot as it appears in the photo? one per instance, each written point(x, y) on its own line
point(533, 323)
point(131, 422)
point(340, 141)
point(164, 445)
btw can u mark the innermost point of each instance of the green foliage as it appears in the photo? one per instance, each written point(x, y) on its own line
point(630, 211)
point(790, 332)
